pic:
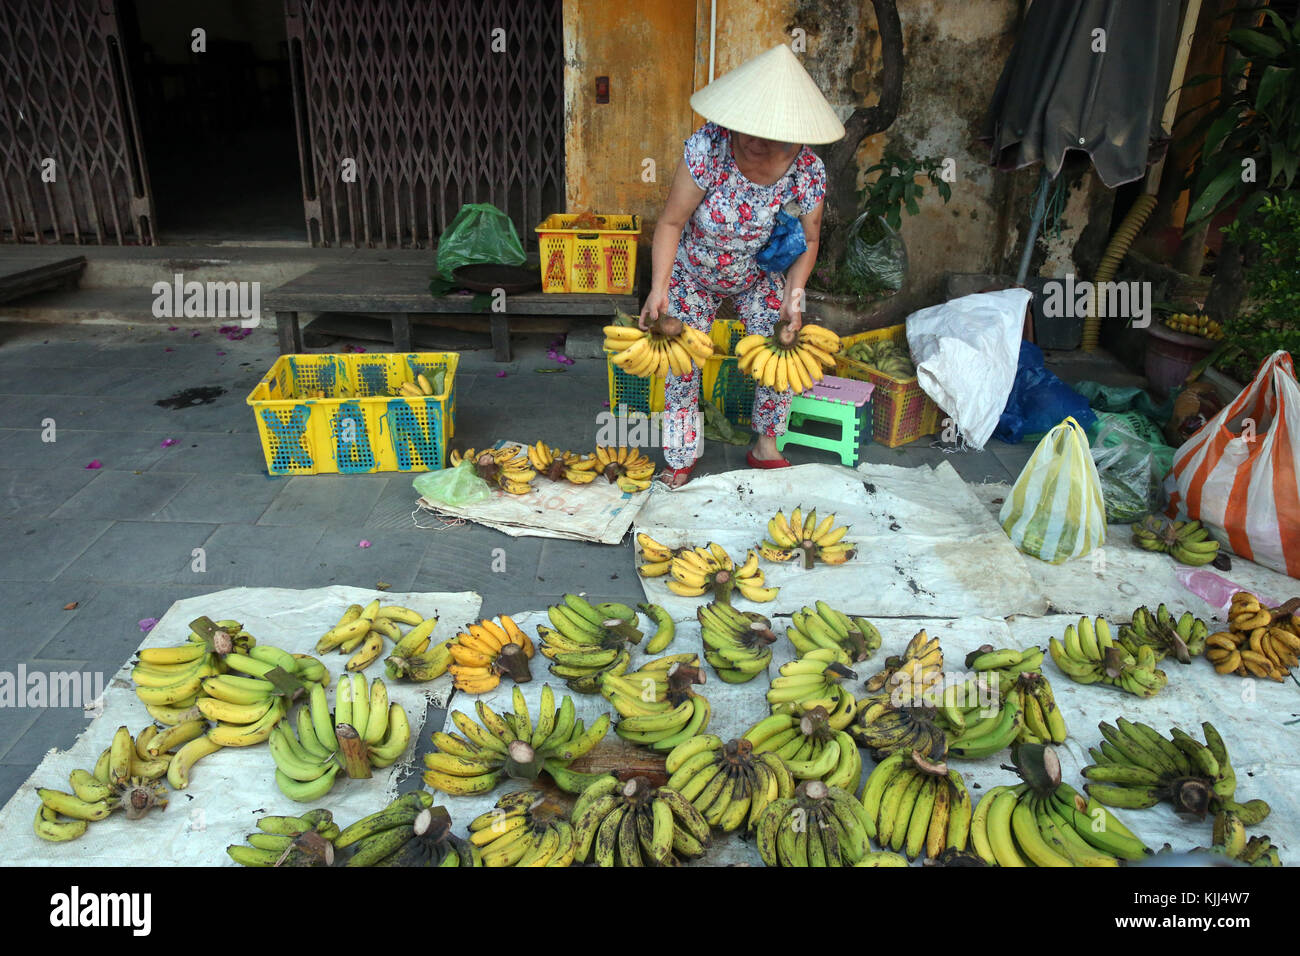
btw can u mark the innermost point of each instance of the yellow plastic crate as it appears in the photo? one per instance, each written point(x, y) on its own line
point(901, 410)
point(360, 426)
point(722, 383)
point(589, 260)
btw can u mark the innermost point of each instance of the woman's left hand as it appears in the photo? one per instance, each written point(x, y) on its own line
point(791, 314)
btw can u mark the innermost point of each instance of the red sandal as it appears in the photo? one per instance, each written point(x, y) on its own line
point(670, 474)
point(765, 462)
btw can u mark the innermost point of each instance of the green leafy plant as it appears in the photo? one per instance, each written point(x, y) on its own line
point(1253, 125)
point(1270, 319)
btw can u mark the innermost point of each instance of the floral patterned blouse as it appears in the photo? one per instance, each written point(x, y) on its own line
point(734, 220)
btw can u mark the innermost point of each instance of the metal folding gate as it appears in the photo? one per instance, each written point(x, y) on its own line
point(71, 166)
point(409, 108)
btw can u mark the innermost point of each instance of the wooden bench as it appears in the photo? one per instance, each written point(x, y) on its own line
point(398, 291)
point(25, 272)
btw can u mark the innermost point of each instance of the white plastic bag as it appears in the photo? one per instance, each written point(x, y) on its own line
point(966, 352)
point(1055, 510)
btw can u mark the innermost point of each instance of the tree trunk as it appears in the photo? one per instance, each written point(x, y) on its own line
point(841, 157)
point(1228, 288)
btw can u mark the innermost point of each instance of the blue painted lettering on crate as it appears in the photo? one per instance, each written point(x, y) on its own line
point(411, 439)
point(290, 434)
point(351, 443)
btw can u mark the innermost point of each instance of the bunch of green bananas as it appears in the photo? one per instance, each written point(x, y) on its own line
point(1230, 840)
point(415, 657)
point(816, 540)
point(912, 804)
point(125, 778)
point(524, 829)
point(813, 681)
point(736, 643)
point(665, 629)
point(856, 637)
point(656, 703)
point(1004, 663)
point(306, 840)
point(361, 632)
point(1136, 766)
point(1188, 542)
point(885, 356)
point(810, 747)
point(1184, 637)
point(914, 676)
point(636, 824)
point(512, 745)
point(588, 641)
point(981, 699)
point(1089, 655)
point(410, 831)
point(1018, 826)
point(819, 825)
point(728, 783)
point(885, 728)
point(366, 730)
point(1044, 723)
point(984, 734)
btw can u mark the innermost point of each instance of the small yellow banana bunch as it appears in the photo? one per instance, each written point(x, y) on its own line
point(656, 558)
point(422, 387)
point(1255, 644)
point(484, 651)
point(556, 465)
point(914, 675)
point(697, 571)
point(669, 345)
point(786, 360)
point(361, 632)
point(625, 467)
point(509, 468)
point(818, 540)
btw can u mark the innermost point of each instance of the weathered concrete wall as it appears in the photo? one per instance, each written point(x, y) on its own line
point(954, 55)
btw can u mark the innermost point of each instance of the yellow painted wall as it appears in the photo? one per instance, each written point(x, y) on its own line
point(647, 49)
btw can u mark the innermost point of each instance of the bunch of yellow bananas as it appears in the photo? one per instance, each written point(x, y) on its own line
point(125, 778)
point(412, 658)
point(656, 558)
point(361, 632)
point(817, 540)
point(1255, 643)
point(422, 387)
point(625, 467)
point(486, 650)
point(918, 670)
point(784, 365)
point(697, 571)
point(525, 828)
point(508, 468)
point(555, 465)
point(669, 346)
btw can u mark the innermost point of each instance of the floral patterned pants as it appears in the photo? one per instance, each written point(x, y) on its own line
point(757, 297)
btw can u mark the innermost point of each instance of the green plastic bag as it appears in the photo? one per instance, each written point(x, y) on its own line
point(1055, 510)
point(480, 233)
point(1132, 460)
point(456, 487)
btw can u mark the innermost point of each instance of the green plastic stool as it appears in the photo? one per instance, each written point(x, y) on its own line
point(838, 400)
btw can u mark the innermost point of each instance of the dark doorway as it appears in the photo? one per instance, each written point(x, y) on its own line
point(218, 125)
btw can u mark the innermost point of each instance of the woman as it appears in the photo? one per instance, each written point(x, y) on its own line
point(737, 173)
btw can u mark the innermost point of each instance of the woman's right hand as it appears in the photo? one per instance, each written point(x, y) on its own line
point(656, 304)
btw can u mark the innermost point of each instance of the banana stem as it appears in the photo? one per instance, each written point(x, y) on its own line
point(809, 552)
point(356, 755)
point(514, 662)
point(623, 629)
point(722, 587)
point(522, 761)
point(311, 849)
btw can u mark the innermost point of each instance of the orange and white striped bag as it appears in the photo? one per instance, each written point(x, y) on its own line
point(1238, 474)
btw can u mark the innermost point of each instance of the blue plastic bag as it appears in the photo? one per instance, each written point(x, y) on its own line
point(786, 244)
point(1039, 401)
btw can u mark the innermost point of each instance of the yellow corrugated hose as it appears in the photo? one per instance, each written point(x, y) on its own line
point(1116, 249)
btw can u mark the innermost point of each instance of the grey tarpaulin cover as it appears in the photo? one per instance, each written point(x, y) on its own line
point(1056, 93)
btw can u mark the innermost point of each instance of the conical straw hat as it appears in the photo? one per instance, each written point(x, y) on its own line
point(771, 96)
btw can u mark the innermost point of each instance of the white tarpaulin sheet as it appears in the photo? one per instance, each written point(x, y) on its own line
point(926, 545)
point(232, 788)
point(597, 511)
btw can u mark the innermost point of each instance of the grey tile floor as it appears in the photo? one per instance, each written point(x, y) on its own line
point(118, 539)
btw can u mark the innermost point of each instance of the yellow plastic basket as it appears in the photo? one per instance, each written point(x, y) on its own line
point(722, 383)
point(589, 260)
point(902, 412)
point(361, 424)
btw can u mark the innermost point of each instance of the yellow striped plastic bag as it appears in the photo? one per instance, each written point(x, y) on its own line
point(1055, 510)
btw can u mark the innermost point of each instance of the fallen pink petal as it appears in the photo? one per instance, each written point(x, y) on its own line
point(169, 350)
point(221, 353)
point(95, 464)
point(363, 544)
point(148, 623)
point(172, 328)
point(501, 374)
point(168, 442)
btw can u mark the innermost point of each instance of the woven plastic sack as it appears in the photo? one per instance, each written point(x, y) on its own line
point(1055, 510)
point(457, 486)
point(480, 233)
